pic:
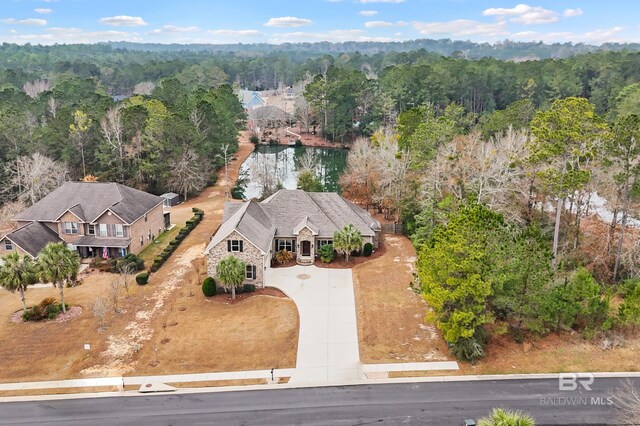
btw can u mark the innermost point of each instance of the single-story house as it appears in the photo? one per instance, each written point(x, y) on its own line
point(298, 221)
point(98, 219)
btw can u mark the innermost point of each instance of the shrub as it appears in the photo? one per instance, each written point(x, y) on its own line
point(284, 256)
point(248, 288)
point(468, 349)
point(142, 278)
point(132, 258)
point(209, 287)
point(326, 253)
point(47, 301)
point(367, 250)
point(254, 139)
point(298, 142)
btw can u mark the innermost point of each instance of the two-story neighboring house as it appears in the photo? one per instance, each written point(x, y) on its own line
point(99, 219)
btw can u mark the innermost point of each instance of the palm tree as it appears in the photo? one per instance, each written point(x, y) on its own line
point(59, 265)
point(501, 417)
point(231, 272)
point(16, 274)
point(347, 240)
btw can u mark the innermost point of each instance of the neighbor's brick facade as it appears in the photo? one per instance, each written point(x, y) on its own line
point(251, 255)
point(154, 224)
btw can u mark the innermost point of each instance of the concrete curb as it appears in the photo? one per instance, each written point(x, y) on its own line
point(433, 379)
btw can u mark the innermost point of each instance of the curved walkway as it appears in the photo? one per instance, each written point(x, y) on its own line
point(328, 339)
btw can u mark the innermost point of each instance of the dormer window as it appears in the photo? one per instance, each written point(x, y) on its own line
point(8, 245)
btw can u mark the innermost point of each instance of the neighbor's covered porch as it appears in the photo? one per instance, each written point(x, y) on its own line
point(90, 246)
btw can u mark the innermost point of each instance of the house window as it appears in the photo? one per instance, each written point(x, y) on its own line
point(119, 230)
point(91, 230)
point(145, 217)
point(285, 245)
point(250, 272)
point(70, 227)
point(102, 229)
point(8, 245)
point(149, 236)
point(141, 240)
point(235, 245)
point(324, 243)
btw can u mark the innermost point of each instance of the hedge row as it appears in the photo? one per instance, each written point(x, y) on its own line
point(173, 244)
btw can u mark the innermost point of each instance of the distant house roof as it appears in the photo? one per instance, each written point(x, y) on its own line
point(251, 99)
point(90, 200)
point(33, 237)
point(287, 212)
point(119, 98)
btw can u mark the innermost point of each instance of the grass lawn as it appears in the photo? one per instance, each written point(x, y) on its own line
point(149, 253)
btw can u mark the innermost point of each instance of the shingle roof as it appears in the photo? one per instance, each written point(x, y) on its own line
point(89, 200)
point(33, 237)
point(92, 241)
point(251, 221)
point(287, 211)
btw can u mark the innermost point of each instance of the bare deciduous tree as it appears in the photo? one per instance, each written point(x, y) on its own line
point(627, 402)
point(36, 175)
point(114, 295)
point(52, 106)
point(144, 88)
point(34, 88)
point(187, 174)
point(111, 127)
point(99, 309)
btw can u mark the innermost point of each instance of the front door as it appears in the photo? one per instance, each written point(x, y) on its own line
point(306, 248)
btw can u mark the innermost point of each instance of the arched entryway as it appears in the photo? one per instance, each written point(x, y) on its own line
point(306, 248)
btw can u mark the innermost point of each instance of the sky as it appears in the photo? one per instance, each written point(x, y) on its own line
point(279, 21)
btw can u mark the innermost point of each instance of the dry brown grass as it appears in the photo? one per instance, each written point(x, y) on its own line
point(390, 315)
point(200, 336)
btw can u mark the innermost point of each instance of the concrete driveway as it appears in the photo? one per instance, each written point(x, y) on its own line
point(328, 339)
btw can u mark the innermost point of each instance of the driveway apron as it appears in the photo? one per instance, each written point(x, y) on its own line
point(328, 339)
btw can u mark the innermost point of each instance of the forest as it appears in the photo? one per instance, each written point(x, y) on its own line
point(517, 181)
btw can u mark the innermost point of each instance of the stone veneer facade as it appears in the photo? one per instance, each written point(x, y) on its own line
point(251, 255)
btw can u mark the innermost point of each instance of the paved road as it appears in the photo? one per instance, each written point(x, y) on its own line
point(328, 339)
point(413, 404)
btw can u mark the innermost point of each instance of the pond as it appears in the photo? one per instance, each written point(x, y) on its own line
point(270, 166)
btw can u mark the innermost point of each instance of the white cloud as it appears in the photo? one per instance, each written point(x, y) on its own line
point(70, 35)
point(368, 12)
point(123, 21)
point(236, 33)
point(461, 27)
point(524, 14)
point(570, 13)
point(380, 1)
point(597, 36)
point(385, 24)
point(332, 36)
point(378, 24)
point(30, 21)
point(288, 22)
point(173, 29)
point(43, 11)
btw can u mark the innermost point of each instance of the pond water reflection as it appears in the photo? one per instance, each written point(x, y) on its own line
point(272, 165)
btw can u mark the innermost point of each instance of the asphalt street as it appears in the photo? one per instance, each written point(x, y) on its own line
point(441, 403)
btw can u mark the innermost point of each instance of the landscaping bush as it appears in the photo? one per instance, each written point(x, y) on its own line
point(254, 139)
point(47, 309)
point(209, 287)
point(132, 258)
point(248, 288)
point(326, 253)
point(298, 142)
point(367, 250)
point(142, 278)
point(284, 256)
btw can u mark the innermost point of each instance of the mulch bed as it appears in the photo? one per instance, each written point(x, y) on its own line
point(267, 291)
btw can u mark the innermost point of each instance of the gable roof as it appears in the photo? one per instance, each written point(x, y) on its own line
point(286, 212)
point(250, 220)
point(90, 200)
point(33, 237)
